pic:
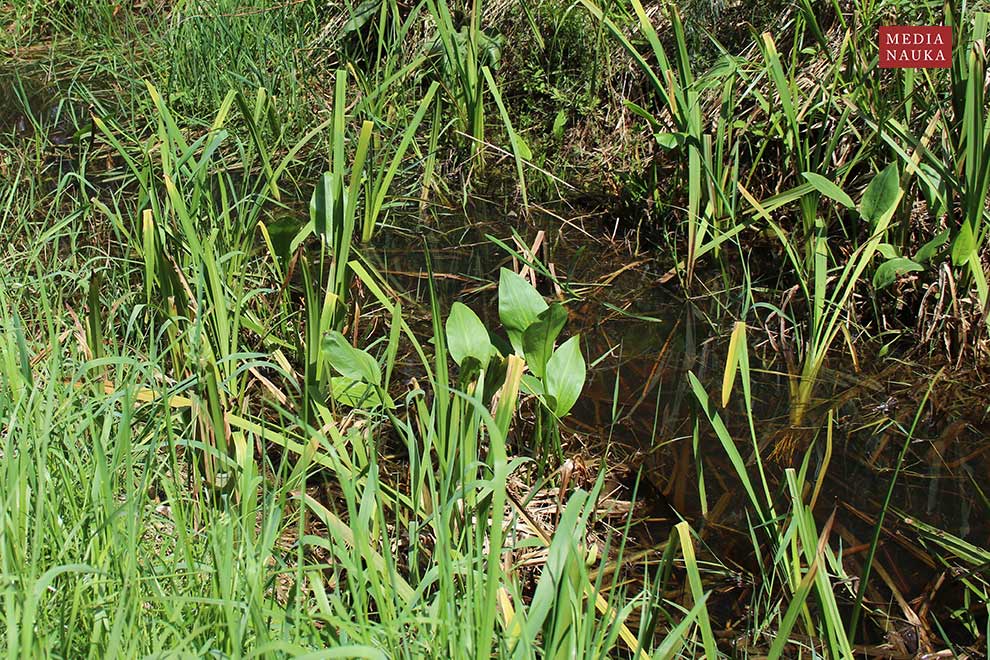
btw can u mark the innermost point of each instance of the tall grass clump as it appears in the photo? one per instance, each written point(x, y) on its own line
point(213, 46)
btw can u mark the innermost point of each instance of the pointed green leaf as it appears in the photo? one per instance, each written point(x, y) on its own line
point(519, 305)
point(891, 269)
point(964, 246)
point(565, 375)
point(887, 251)
point(559, 123)
point(467, 336)
point(829, 189)
point(881, 195)
point(357, 393)
point(349, 361)
point(538, 338)
point(931, 248)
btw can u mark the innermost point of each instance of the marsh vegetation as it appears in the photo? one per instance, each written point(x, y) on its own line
point(516, 328)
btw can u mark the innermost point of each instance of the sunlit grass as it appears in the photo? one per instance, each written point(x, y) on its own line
point(226, 430)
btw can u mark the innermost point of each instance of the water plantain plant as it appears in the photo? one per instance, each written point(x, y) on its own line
point(458, 443)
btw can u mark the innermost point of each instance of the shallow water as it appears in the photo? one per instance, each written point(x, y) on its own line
point(641, 337)
point(32, 105)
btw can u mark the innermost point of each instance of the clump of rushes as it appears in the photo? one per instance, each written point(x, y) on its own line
point(826, 308)
point(673, 82)
point(461, 52)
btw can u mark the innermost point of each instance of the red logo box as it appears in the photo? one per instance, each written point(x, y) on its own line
point(910, 47)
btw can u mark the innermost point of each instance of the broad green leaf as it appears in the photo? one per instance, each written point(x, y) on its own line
point(538, 338)
point(530, 384)
point(467, 336)
point(524, 151)
point(670, 140)
point(565, 375)
point(349, 361)
point(546, 596)
point(559, 123)
point(281, 233)
point(881, 195)
point(829, 189)
point(964, 247)
point(891, 269)
point(888, 251)
point(519, 305)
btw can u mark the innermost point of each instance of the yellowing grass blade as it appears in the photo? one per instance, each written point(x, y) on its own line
point(145, 395)
point(732, 360)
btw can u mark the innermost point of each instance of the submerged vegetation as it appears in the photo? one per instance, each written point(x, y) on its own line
point(533, 328)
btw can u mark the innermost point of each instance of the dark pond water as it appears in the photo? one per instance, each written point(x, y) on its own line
point(640, 338)
point(33, 105)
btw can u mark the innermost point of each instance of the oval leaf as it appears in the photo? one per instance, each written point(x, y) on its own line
point(519, 305)
point(881, 195)
point(888, 251)
point(964, 246)
point(891, 269)
point(521, 147)
point(565, 375)
point(670, 140)
point(467, 336)
point(357, 393)
point(349, 361)
point(559, 123)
